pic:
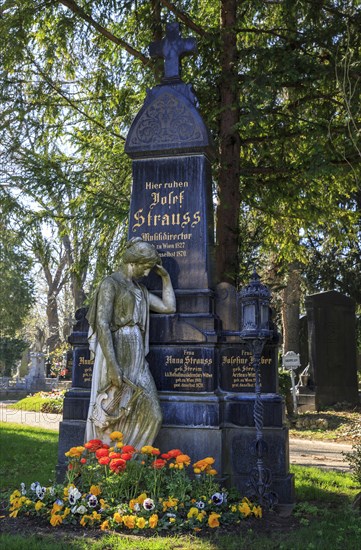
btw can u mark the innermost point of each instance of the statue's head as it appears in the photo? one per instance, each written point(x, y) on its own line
point(140, 252)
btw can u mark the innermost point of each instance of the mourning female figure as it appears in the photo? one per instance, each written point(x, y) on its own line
point(123, 395)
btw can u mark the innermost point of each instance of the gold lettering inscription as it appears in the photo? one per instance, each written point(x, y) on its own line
point(83, 361)
point(188, 371)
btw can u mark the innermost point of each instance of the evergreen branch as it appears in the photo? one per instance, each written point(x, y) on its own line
point(73, 6)
point(184, 17)
point(69, 101)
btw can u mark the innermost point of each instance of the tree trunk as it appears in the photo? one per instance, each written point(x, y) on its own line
point(53, 340)
point(228, 186)
point(291, 296)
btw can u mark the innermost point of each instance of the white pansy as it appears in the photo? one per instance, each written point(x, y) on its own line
point(23, 490)
point(148, 504)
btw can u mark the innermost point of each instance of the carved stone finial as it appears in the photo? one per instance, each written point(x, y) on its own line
point(172, 48)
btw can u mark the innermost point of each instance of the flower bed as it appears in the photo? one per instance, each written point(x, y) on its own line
point(118, 487)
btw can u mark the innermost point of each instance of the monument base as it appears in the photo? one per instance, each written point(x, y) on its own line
point(71, 434)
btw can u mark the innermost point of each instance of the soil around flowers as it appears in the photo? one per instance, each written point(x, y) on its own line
point(270, 523)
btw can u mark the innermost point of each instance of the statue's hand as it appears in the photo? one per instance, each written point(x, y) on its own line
point(116, 377)
point(160, 270)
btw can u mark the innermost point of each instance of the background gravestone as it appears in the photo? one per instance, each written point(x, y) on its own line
point(332, 348)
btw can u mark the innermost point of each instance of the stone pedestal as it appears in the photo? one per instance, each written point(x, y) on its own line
point(76, 400)
point(35, 380)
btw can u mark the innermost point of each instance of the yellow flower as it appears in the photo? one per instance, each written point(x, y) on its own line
point(171, 520)
point(39, 505)
point(75, 452)
point(140, 523)
point(129, 521)
point(66, 512)
point(212, 472)
point(116, 436)
point(56, 508)
point(96, 516)
point(193, 513)
point(16, 494)
point(245, 509)
point(14, 513)
point(118, 517)
point(201, 516)
point(103, 504)
point(142, 498)
point(95, 490)
point(213, 520)
point(84, 520)
point(56, 520)
point(170, 503)
point(105, 525)
point(257, 511)
point(153, 521)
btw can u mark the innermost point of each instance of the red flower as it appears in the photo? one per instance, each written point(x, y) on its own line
point(117, 465)
point(127, 456)
point(101, 452)
point(174, 453)
point(93, 445)
point(166, 456)
point(105, 446)
point(156, 452)
point(104, 460)
point(128, 449)
point(159, 463)
point(83, 460)
point(115, 455)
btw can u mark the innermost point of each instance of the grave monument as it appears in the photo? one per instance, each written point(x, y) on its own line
point(202, 369)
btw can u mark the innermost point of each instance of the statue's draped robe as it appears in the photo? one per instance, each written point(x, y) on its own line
point(134, 408)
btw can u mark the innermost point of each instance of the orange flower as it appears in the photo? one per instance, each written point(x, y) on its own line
point(95, 490)
point(105, 525)
point(118, 518)
point(183, 459)
point(129, 521)
point(56, 520)
point(213, 520)
point(153, 521)
point(104, 460)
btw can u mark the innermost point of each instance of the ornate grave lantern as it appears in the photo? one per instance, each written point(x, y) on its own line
point(255, 299)
point(255, 331)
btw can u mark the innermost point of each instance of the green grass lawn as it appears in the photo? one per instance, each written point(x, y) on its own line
point(323, 511)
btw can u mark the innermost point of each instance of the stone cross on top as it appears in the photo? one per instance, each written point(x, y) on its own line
point(173, 47)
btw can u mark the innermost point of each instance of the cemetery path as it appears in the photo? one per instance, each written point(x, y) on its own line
point(304, 452)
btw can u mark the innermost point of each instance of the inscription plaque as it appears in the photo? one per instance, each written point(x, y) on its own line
point(189, 369)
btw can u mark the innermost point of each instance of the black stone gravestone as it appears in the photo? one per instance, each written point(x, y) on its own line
point(202, 371)
point(332, 348)
point(76, 400)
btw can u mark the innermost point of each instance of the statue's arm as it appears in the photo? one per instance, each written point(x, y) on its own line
point(167, 303)
point(104, 316)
